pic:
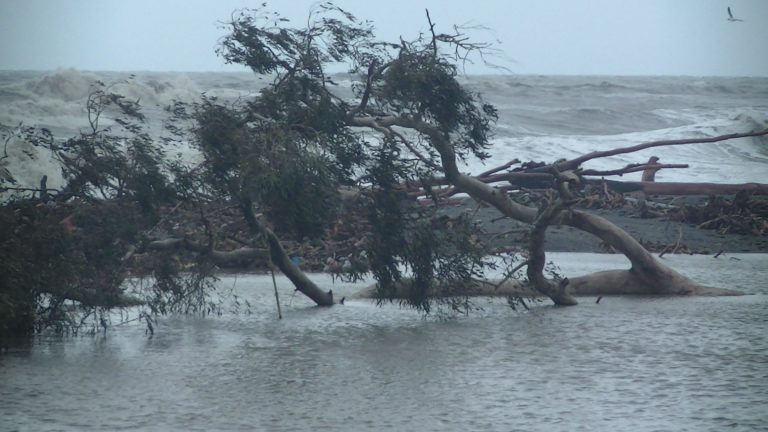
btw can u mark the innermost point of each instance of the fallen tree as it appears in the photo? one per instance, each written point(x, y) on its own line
point(408, 96)
point(277, 165)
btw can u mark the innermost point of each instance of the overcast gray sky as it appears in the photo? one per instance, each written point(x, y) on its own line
point(606, 37)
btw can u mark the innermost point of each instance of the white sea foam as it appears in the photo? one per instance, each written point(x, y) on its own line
point(540, 118)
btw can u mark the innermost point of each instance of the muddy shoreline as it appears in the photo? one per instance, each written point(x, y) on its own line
point(656, 234)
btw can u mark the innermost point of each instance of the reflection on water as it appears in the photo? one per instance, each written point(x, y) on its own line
point(637, 364)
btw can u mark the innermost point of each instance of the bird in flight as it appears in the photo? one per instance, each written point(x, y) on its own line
point(730, 16)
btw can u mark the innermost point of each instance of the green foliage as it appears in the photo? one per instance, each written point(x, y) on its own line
point(182, 290)
point(54, 253)
point(68, 247)
point(299, 111)
point(441, 254)
point(388, 220)
point(221, 136)
point(411, 79)
point(287, 151)
point(297, 192)
point(422, 85)
point(264, 42)
point(291, 182)
point(299, 125)
point(17, 302)
point(110, 162)
point(447, 254)
point(425, 86)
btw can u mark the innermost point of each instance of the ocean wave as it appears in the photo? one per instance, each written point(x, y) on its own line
point(57, 100)
point(159, 92)
point(753, 120)
point(27, 164)
point(587, 121)
point(64, 84)
point(71, 85)
point(540, 117)
point(621, 86)
point(602, 86)
point(733, 161)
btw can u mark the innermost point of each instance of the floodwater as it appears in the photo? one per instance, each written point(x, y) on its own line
point(634, 364)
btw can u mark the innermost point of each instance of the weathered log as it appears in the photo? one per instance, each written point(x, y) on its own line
point(649, 169)
point(604, 283)
point(649, 174)
point(91, 297)
point(489, 288)
point(233, 258)
point(675, 188)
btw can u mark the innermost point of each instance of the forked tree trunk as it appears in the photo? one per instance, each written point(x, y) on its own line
point(647, 275)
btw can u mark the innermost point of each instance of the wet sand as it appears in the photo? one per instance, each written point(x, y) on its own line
point(656, 233)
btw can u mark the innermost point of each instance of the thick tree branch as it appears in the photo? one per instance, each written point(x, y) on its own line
point(441, 142)
point(556, 290)
point(281, 259)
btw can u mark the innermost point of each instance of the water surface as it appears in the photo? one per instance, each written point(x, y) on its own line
point(640, 364)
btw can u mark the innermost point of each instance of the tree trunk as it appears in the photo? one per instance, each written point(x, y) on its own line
point(647, 274)
point(649, 174)
point(555, 290)
point(281, 259)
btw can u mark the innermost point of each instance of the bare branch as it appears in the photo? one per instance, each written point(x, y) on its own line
point(630, 169)
point(499, 168)
point(373, 123)
point(575, 163)
point(432, 30)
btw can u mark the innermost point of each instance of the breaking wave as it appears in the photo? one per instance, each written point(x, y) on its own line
point(540, 117)
point(65, 85)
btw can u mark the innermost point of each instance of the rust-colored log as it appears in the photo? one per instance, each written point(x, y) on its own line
point(677, 188)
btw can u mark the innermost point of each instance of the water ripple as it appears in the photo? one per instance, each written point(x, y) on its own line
point(640, 364)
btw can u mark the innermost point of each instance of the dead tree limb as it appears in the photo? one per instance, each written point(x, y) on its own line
point(499, 168)
point(649, 174)
point(233, 258)
point(677, 188)
point(632, 168)
point(575, 163)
